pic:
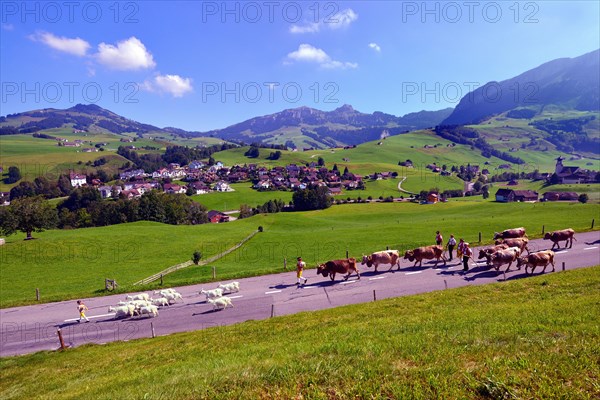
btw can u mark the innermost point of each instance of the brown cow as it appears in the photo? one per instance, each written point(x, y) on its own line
point(510, 233)
point(521, 243)
point(391, 257)
point(427, 253)
point(487, 253)
point(538, 259)
point(345, 266)
point(566, 235)
point(506, 256)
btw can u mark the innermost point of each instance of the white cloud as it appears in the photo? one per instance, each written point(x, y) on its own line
point(129, 54)
point(375, 47)
point(175, 85)
point(310, 54)
point(8, 27)
point(75, 46)
point(341, 19)
point(308, 28)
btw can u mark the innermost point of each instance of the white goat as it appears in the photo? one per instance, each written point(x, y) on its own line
point(122, 311)
point(161, 301)
point(212, 294)
point(220, 303)
point(172, 297)
point(230, 287)
point(139, 296)
point(163, 291)
point(150, 310)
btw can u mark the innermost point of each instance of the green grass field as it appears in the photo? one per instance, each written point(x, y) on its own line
point(534, 338)
point(71, 263)
point(67, 264)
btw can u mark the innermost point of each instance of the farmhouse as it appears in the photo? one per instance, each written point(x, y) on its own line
point(334, 191)
point(77, 180)
point(560, 196)
point(222, 186)
point(173, 188)
point(217, 217)
point(504, 195)
point(199, 187)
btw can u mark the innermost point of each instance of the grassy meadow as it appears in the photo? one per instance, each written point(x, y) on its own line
point(74, 263)
point(534, 338)
point(67, 264)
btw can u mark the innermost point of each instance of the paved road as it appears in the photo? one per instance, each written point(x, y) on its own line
point(34, 328)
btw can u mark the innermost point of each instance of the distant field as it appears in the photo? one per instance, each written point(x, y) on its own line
point(42, 157)
point(74, 263)
point(242, 194)
point(533, 338)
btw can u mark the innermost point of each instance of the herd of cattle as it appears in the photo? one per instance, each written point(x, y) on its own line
point(510, 246)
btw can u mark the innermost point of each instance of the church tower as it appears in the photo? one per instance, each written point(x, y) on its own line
point(559, 165)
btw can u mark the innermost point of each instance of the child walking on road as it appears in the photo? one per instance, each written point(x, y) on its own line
point(299, 268)
point(82, 308)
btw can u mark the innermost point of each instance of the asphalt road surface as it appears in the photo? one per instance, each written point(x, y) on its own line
point(34, 328)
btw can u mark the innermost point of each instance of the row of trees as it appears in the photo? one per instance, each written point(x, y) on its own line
point(84, 208)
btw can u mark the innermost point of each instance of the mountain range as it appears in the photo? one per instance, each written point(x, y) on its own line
point(310, 127)
point(568, 83)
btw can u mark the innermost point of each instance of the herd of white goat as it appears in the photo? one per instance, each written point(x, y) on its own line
point(142, 304)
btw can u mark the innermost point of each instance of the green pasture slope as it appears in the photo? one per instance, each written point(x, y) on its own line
point(74, 263)
point(42, 157)
point(534, 338)
point(66, 264)
point(318, 236)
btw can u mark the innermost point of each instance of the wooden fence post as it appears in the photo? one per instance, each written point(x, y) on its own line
point(593, 220)
point(272, 310)
point(346, 253)
point(479, 237)
point(161, 279)
point(152, 327)
point(285, 263)
point(563, 265)
point(374, 295)
point(543, 229)
point(446, 284)
point(37, 294)
point(214, 272)
point(60, 339)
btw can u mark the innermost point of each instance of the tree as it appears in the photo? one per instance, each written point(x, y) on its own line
point(312, 199)
point(14, 175)
point(583, 198)
point(81, 198)
point(335, 167)
point(245, 211)
point(23, 189)
point(196, 257)
point(275, 155)
point(253, 152)
point(28, 215)
point(64, 184)
point(320, 161)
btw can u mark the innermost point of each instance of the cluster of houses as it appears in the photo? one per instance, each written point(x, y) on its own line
point(202, 179)
point(294, 177)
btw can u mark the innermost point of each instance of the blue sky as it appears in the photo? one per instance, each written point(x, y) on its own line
point(201, 65)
